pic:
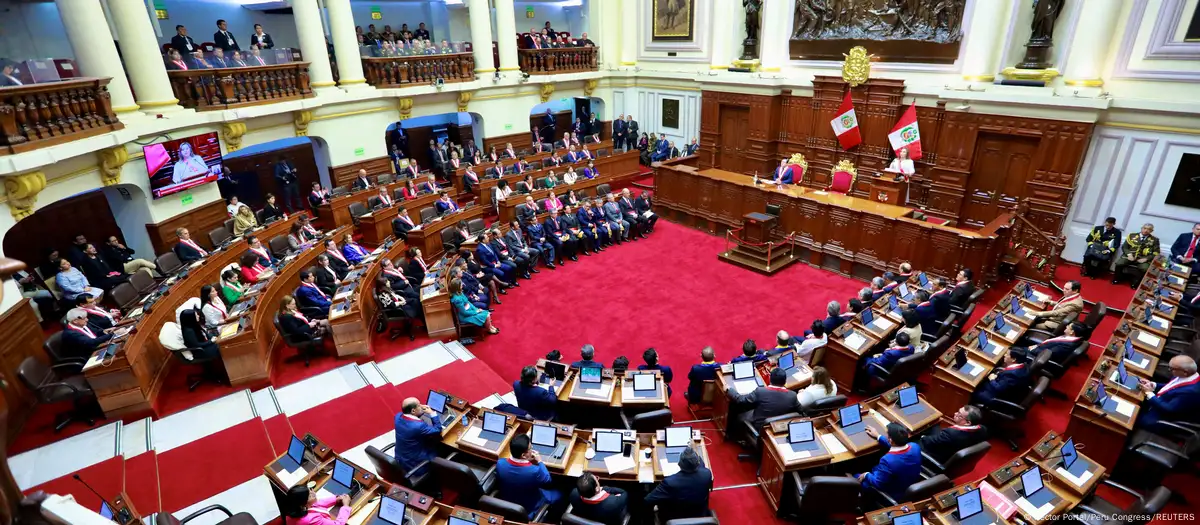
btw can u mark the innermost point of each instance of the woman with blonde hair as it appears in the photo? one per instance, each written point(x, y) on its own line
point(822, 387)
point(244, 220)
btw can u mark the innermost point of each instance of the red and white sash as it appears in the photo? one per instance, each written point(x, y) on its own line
point(1065, 299)
point(83, 330)
point(1176, 383)
point(194, 246)
point(314, 287)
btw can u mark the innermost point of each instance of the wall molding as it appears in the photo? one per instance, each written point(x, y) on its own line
point(1162, 45)
point(1137, 13)
point(701, 32)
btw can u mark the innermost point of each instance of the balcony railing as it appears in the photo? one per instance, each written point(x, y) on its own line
point(563, 60)
point(224, 88)
point(33, 116)
point(400, 71)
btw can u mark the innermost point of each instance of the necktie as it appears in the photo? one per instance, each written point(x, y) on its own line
point(1191, 251)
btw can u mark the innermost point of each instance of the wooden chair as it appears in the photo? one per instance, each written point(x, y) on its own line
point(842, 177)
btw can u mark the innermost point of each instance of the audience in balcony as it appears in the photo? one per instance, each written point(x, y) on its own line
point(218, 59)
point(421, 32)
point(8, 74)
point(183, 43)
point(175, 62)
point(223, 39)
point(372, 34)
point(198, 61)
point(255, 57)
point(262, 40)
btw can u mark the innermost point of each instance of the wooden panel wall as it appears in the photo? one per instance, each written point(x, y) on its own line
point(32, 238)
point(259, 171)
point(519, 141)
point(344, 174)
point(562, 124)
point(758, 151)
point(23, 337)
point(198, 222)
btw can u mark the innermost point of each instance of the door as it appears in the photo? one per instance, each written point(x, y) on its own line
point(1001, 166)
point(735, 124)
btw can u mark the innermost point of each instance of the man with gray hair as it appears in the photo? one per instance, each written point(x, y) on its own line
point(612, 212)
point(78, 339)
point(833, 316)
point(1136, 253)
point(587, 356)
point(684, 494)
point(865, 294)
point(1177, 399)
point(877, 288)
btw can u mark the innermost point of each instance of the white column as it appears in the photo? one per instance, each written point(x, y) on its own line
point(506, 35)
point(772, 42)
point(629, 31)
point(141, 54)
point(722, 33)
point(345, 44)
point(1091, 42)
point(984, 34)
point(481, 35)
point(307, 15)
point(95, 52)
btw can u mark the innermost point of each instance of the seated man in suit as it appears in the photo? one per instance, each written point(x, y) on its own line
point(642, 206)
point(692, 147)
point(445, 204)
point(536, 236)
point(662, 150)
point(630, 214)
point(706, 370)
point(963, 289)
point(328, 278)
point(766, 401)
point(515, 240)
point(1010, 382)
point(539, 402)
point(470, 179)
point(1177, 400)
point(255, 246)
point(523, 478)
point(572, 156)
point(942, 442)
point(1059, 347)
point(592, 502)
point(587, 355)
point(505, 271)
point(684, 494)
point(557, 236)
point(430, 185)
point(941, 297)
point(926, 312)
point(877, 288)
point(309, 295)
point(833, 317)
point(527, 214)
point(899, 468)
point(497, 170)
point(361, 182)
point(616, 219)
point(750, 352)
point(888, 358)
point(402, 224)
point(1136, 253)
point(587, 242)
point(596, 234)
point(1186, 249)
point(1055, 313)
point(783, 173)
point(78, 339)
point(510, 255)
point(337, 260)
point(187, 249)
point(417, 436)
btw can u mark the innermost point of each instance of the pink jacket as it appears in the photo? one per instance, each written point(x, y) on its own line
point(318, 514)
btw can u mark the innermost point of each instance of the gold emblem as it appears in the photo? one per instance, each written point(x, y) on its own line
point(857, 67)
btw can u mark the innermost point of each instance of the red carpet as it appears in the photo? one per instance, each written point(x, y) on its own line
point(202, 468)
point(347, 421)
point(107, 477)
point(141, 482)
point(472, 380)
point(279, 431)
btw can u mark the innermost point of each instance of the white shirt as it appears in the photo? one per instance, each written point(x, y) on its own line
point(805, 349)
point(233, 208)
point(213, 316)
point(570, 177)
point(813, 393)
point(904, 166)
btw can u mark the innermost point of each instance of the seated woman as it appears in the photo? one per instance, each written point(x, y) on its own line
point(467, 313)
point(196, 337)
point(912, 326)
point(394, 303)
point(271, 211)
point(409, 191)
point(294, 323)
point(252, 271)
point(303, 508)
point(500, 193)
point(231, 287)
point(295, 238)
point(552, 180)
point(352, 251)
point(471, 287)
point(571, 199)
point(244, 220)
point(212, 306)
point(822, 387)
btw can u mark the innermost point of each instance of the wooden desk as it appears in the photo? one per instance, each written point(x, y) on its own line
point(886, 189)
point(130, 384)
point(376, 227)
point(833, 231)
point(721, 402)
point(846, 347)
point(1104, 428)
point(429, 236)
point(614, 169)
point(456, 175)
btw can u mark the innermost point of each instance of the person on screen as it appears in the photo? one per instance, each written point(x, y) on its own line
point(303, 508)
point(189, 165)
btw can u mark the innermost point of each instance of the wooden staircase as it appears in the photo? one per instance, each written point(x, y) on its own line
point(1032, 254)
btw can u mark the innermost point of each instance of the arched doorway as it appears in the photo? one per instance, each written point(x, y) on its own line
point(252, 170)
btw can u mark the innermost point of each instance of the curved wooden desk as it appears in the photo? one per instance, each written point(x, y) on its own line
point(376, 227)
point(429, 236)
point(131, 382)
point(352, 329)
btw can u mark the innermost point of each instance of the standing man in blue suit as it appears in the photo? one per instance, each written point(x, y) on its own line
point(523, 477)
point(416, 436)
point(1186, 249)
point(1178, 399)
point(539, 402)
point(1008, 383)
point(897, 469)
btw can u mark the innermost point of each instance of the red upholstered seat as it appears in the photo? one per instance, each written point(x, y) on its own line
point(841, 182)
point(797, 173)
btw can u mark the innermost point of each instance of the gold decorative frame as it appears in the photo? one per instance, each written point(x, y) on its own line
point(798, 159)
point(848, 167)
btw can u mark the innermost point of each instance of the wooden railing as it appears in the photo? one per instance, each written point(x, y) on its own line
point(38, 115)
point(224, 88)
point(563, 60)
point(1036, 252)
point(391, 72)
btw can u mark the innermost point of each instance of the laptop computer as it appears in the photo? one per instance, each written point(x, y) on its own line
point(393, 511)
point(437, 402)
point(969, 504)
point(608, 442)
point(850, 418)
point(544, 439)
point(787, 361)
point(908, 519)
point(645, 385)
point(556, 371)
point(800, 432)
point(678, 439)
point(591, 376)
point(494, 426)
point(908, 401)
point(743, 370)
point(342, 481)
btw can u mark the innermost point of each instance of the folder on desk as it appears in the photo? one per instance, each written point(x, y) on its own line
point(229, 330)
point(854, 340)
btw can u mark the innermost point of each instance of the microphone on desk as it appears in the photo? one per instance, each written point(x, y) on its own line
point(89, 487)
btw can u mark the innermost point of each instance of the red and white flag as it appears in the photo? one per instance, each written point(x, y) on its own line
point(845, 124)
point(906, 134)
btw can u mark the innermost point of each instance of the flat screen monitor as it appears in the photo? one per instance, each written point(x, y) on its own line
point(679, 436)
point(1149, 314)
point(893, 302)
point(1028, 292)
point(590, 374)
point(1069, 455)
point(849, 415)
point(923, 279)
point(392, 510)
point(181, 164)
point(643, 382)
point(868, 316)
point(983, 340)
point(969, 504)
point(743, 370)
point(800, 432)
point(296, 450)
point(545, 435)
point(1000, 323)
point(903, 290)
point(556, 370)
point(436, 401)
point(1101, 395)
point(493, 422)
point(106, 511)
point(608, 442)
point(1031, 482)
point(1129, 348)
point(787, 361)
point(907, 519)
point(1016, 309)
point(1122, 373)
point(960, 358)
point(343, 473)
point(908, 396)
point(455, 520)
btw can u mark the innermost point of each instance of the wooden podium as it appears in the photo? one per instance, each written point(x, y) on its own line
point(887, 190)
point(754, 249)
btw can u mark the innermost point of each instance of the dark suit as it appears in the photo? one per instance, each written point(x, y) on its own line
point(1101, 248)
point(225, 41)
point(889, 358)
point(554, 230)
point(416, 441)
point(97, 272)
point(642, 205)
point(618, 131)
point(767, 402)
point(896, 471)
point(831, 322)
point(341, 267)
point(587, 363)
point(309, 297)
point(941, 303)
point(1059, 348)
point(538, 401)
point(698, 374)
point(492, 264)
point(961, 293)
point(400, 228)
point(263, 42)
point(219, 62)
point(1180, 248)
point(538, 239)
point(1180, 403)
point(636, 222)
point(631, 135)
point(608, 509)
point(526, 484)
point(327, 279)
point(285, 177)
point(186, 253)
point(295, 327)
point(941, 443)
point(1010, 385)
point(683, 494)
point(78, 344)
point(184, 45)
point(360, 184)
point(517, 246)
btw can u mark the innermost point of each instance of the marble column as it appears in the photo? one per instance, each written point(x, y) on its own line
point(984, 35)
point(96, 52)
point(142, 56)
point(629, 31)
point(772, 37)
point(345, 44)
point(1091, 43)
point(722, 34)
point(506, 35)
point(481, 35)
point(307, 15)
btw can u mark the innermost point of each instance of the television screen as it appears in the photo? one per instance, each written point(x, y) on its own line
point(181, 164)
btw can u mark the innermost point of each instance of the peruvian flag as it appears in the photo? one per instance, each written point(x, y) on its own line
point(906, 134)
point(845, 124)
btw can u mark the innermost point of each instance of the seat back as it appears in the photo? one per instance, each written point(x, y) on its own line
point(53, 347)
point(357, 209)
point(511, 511)
point(427, 213)
point(385, 178)
point(475, 225)
point(906, 369)
point(374, 202)
point(447, 235)
point(964, 460)
point(228, 224)
point(652, 421)
point(925, 489)
point(259, 215)
point(603, 189)
point(142, 280)
point(843, 180)
point(826, 405)
point(387, 467)
point(125, 295)
point(279, 245)
point(398, 194)
point(1038, 363)
point(340, 190)
point(1095, 316)
point(571, 519)
point(457, 478)
point(940, 345)
point(33, 374)
point(1035, 393)
point(520, 208)
point(219, 236)
point(168, 263)
point(832, 497)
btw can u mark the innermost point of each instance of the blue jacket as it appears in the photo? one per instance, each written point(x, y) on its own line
point(487, 256)
point(682, 495)
point(889, 358)
point(896, 471)
point(312, 297)
point(1006, 386)
point(538, 401)
point(572, 156)
point(927, 313)
point(1059, 348)
point(786, 176)
point(535, 233)
point(416, 441)
point(757, 357)
point(831, 322)
point(442, 206)
point(661, 150)
point(697, 376)
point(1179, 403)
point(521, 482)
point(354, 253)
point(553, 227)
